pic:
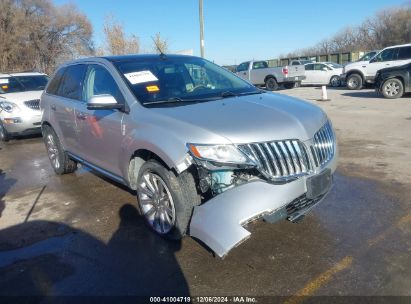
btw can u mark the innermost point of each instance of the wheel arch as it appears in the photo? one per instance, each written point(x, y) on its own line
point(349, 73)
point(270, 76)
point(137, 159)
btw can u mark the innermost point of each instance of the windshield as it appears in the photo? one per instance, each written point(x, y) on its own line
point(335, 65)
point(14, 84)
point(181, 79)
point(367, 56)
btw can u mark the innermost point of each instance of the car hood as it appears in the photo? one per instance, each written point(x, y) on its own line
point(21, 97)
point(245, 119)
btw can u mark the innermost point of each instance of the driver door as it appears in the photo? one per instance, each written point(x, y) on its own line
point(100, 133)
point(384, 59)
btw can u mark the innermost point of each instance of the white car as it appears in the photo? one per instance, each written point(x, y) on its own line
point(19, 103)
point(358, 73)
point(323, 73)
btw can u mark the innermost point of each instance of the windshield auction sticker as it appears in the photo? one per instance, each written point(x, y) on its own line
point(140, 77)
point(4, 81)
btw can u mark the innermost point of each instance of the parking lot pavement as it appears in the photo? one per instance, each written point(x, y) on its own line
point(80, 234)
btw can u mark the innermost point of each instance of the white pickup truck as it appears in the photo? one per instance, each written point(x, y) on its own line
point(258, 73)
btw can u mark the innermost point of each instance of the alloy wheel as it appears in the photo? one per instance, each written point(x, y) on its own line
point(392, 88)
point(156, 202)
point(52, 151)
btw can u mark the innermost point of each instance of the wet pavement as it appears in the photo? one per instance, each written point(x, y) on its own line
point(80, 234)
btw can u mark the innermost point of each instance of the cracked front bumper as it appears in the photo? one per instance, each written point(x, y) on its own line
point(219, 222)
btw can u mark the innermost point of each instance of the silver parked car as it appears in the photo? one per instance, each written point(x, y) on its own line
point(206, 151)
point(19, 103)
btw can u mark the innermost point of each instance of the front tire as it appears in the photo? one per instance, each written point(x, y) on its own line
point(354, 82)
point(166, 200)
point(335, 81)
point(271, 84)
point(392, 88)
point(59, 159)
point(4, 135)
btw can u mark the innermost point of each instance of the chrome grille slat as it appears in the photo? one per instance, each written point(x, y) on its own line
point(273, 159)
point(287, 157)
point(323, 148)
point(280, 159)
point(299, 154)
point(294, 157)
point(266, 163)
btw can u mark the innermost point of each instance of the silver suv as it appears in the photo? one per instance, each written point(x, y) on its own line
point(19, 104)
point(206, 151)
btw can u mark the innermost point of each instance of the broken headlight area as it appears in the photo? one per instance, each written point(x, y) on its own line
point(221, 167)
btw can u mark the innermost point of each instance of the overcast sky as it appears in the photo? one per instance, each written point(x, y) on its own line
point(234, 30)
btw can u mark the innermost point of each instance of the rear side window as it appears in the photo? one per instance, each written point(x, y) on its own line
point(295, 63)
point(260, 65)
point(387, 55)
point(71, 85)
point(404, 53)
point(309, 67)
point(54, 84)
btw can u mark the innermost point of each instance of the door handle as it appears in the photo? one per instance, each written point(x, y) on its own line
point(53, 107)
point(82, 116)
point(244, 73)
point(387, 64)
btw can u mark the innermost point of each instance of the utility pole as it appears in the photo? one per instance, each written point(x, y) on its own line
point(201, 28)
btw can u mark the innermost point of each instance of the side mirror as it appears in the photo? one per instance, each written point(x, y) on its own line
point(324, 69)
point(103, 102)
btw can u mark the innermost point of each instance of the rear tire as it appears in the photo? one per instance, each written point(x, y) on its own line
point(166, 200)
point(271, 84)
point(4, 135)
point(392, 88)
point(59, 158)
point(354, 82)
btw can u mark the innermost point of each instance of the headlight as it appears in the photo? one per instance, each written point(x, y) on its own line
point(9, 107)
point(223, 154)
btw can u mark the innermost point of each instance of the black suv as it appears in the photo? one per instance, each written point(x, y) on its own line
point(394, 82)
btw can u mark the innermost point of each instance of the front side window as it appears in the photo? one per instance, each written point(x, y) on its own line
point(243, 67)
point(71, 85)
point(387, 55)
point(188, 79)
point(99, 81)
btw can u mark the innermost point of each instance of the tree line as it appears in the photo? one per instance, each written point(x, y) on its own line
point(387, 27)
point(39, 35)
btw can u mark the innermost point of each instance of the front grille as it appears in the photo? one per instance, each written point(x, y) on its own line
point(300, 203)
point(33, 104)
point(278, 159)
point(323, 148)
point(292, 158)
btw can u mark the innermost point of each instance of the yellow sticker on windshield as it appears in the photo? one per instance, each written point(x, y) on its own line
point(152, 88)
point(4, 87)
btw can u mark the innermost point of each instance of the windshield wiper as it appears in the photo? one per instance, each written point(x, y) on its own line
point(228, 94)
point(252, 93)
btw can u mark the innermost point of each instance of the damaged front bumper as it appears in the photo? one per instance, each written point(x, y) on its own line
point(219, 222)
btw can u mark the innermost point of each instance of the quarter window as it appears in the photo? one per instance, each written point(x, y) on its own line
point(72, 82)
point(260, 65)
point(404, 53)
point(99, 81)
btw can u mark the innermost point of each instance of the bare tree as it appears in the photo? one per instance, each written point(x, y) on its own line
point(160, 44)
point(387, 27)
point(36, 34)
point(116, 41)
